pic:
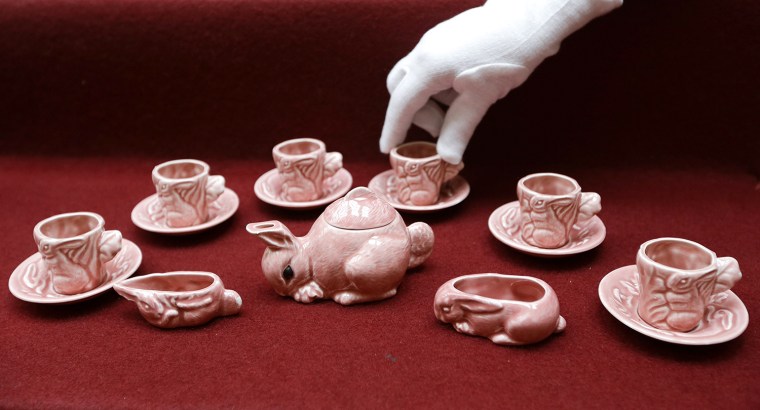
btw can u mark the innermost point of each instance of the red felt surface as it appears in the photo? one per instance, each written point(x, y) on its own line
point(651, 106)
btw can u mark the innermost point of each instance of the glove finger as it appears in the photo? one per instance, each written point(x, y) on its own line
point(396, 75)
point(446, 97)
point(463, 116)
point(430, 118)
point(407, 98)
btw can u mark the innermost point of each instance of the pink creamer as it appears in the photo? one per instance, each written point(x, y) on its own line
point(180, 299)
point(357, 251)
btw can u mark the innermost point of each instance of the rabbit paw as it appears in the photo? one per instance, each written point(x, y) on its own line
point(351, 297)
point(347, 297)
point(464, 327)
point(502, 338)
point(307, 293)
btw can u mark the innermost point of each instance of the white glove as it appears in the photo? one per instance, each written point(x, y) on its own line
point(471, 61)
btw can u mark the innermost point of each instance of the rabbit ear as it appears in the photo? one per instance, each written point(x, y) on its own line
point(434, 169)
point(274, 233)
point(74, 249)
point(127, 292)
point(308, 167)
point(478, 306)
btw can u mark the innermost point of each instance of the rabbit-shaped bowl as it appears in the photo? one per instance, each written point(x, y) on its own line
point(180, 299)
point(357, 251)
point(508, 309)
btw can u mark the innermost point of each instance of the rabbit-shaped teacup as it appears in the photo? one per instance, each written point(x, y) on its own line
point(550, 205)
point(185, 190)
point(303, 165)
point(509, 310)
point(679, 279)
point(75, 248)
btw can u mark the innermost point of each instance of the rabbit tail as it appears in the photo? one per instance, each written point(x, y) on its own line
point(561, 324)
point(422, 239)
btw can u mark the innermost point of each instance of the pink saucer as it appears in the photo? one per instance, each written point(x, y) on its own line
point(30, 281)
point(726, 316)
point(452, 193)
point(267, 189)
point(505, 227)
point(219, 211)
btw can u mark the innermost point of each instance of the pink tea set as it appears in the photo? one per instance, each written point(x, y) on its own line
point(359, 250)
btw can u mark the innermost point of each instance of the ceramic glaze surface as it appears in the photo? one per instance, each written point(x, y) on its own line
point(362, 263)
point(269, 186)
point(360, 211)
point(550, 205)
point(725, 316)
point(185, 191)
point(180, 299)
point(678, 279)
point(507, 309)
point(419, 173)
point(452, 193)
point(504, 224)
point(303, 166)
point(32, 282)
point(74, 247)
point(147, 215)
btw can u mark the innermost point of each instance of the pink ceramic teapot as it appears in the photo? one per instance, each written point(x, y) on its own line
point(357, 251)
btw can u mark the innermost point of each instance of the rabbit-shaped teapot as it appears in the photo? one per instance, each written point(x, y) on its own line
point(357, 251)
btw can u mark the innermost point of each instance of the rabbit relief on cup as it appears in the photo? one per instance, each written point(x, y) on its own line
point(303, 165)
point(185, 191)
point(75, 248)
point(550, 204)
point(357, 251)
point(678, 280)
point(419, 173)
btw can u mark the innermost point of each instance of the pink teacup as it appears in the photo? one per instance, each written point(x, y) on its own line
point(303, 165)
point(678, 278)
point(419, 172)
point(185, 191)
point(74, 247)
point(550, 204)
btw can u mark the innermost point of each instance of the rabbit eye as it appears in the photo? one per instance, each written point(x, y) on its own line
point(287, 273)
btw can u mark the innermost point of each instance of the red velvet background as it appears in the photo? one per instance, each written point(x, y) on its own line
point(653, 106)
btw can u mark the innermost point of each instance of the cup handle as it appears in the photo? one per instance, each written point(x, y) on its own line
point(728, 274)
point(109, 246)
point(214, 187)
point(333, 163)
point(591, 204)
point(452, 170)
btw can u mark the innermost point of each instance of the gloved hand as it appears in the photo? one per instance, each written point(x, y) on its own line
point(471, 61)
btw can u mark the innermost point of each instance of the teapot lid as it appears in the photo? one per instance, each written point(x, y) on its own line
point(360, 209)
